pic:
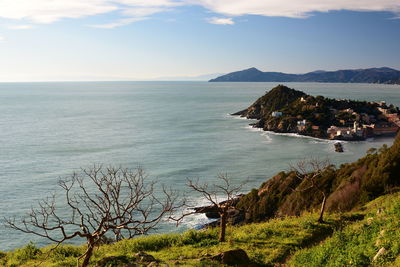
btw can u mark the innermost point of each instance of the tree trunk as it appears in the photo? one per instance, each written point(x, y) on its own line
point(321, 215)
point(223, 227)
point(88, 255)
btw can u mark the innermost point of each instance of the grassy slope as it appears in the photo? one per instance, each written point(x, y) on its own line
point(358, 243)
point(354, 242)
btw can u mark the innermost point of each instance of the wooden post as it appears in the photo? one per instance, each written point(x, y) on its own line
point(223, 227)
point(321, 215)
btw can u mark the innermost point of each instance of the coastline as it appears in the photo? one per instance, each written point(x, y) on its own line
point(298, 135)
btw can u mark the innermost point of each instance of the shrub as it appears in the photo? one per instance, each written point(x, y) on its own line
point(62, 252)
point(29, 252)
point(194, 237)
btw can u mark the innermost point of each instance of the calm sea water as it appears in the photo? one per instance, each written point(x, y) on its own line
point(175, 130)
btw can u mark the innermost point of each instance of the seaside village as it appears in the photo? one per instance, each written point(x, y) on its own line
point(357, 126)
point(366, 125)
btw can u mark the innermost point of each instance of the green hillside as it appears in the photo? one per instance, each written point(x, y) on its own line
point(346, 239)
point(347, 187)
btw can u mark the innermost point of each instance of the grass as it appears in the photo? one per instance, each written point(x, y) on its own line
point(358, 243)
point(350, 239)
point(265, 243)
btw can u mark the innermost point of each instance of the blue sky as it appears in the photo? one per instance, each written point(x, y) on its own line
point(70, 40)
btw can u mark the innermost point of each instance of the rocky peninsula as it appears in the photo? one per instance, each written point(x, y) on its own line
point(285, 110)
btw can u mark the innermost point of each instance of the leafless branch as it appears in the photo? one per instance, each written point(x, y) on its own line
point(214, 194)
point(100, 200)
point(310, 172)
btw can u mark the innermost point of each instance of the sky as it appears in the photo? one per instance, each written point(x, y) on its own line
point(78, 40)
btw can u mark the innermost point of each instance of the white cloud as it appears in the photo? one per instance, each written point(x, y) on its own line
point(294, 9)
point(1, 39)
point(134, 14)
point(221, 21)
point(151, 3)
point(118, 23)
point(45, 11)
point(49, 11)
point(143, 11)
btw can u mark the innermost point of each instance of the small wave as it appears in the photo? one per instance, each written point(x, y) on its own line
point(315, 140)
point(296, 135)
point(196, 220)
point(267, 137)
point(238, 117)
point(253, 129)
point(326, 141)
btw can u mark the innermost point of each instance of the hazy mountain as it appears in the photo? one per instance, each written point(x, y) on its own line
point(372, 75)
point(204, 77)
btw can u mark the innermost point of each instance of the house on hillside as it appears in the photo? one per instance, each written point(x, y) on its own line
point(276, 114)
point(347, 133)
point(301, 125)
point(382, 129)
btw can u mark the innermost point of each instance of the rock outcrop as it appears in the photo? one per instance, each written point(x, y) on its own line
point(236, 257)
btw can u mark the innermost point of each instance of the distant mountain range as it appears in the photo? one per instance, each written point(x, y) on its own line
point(373, 75)
point(204, 77)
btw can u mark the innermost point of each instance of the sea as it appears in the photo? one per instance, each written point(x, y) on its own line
point(174, 130)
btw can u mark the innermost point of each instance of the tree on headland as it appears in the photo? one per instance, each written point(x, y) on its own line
point(309, 171)
point(221, 196)
point(99, 201)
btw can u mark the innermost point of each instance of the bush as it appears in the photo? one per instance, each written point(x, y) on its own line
point(22, 255)
point(192, 237)
point(62, 252)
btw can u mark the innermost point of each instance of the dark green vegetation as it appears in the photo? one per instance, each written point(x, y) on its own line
point(349, 186)
point(319, 113)
point(278, 98)
point(372, 75)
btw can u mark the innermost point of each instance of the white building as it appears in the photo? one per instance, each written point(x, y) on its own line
point(277, 114)
point(301, 123)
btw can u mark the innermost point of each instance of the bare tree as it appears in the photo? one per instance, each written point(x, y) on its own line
point(99, 200)
point(221, 197)
point(310, 171)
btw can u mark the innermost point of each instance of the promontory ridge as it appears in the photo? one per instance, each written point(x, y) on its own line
point(382, 75)
point(285, 110)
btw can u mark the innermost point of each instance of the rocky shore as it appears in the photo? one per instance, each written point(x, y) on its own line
point(235, 216)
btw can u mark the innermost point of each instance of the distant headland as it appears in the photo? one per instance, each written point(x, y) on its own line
point(285, 110)
point(373, 75)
